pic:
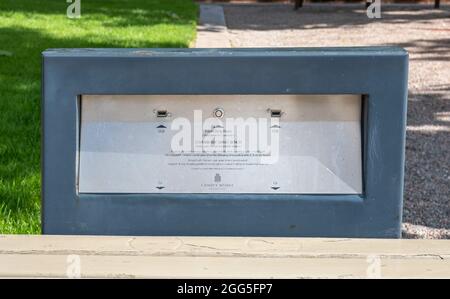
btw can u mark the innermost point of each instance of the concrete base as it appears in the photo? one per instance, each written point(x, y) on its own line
point(194, 257)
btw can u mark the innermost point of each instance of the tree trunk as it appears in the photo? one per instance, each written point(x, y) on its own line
point(437, 3)
point(298, 4)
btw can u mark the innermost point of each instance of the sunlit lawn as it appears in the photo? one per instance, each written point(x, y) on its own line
point(29, 27)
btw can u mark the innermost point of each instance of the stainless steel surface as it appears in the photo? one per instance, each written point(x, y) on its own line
point(126, 148)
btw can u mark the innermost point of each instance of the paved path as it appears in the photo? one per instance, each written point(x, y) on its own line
point(212, 30)
point(425, 33)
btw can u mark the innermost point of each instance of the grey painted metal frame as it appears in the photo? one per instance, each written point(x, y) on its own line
point(378, 73)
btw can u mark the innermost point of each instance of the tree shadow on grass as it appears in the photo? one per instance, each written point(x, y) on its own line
point(112, 13)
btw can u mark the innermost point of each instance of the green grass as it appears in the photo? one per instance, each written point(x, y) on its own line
point(29, 27)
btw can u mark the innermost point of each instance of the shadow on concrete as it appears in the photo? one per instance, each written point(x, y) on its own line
point(313, 16)
point(429, 49)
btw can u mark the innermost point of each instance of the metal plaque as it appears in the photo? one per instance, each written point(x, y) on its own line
point(297, 144)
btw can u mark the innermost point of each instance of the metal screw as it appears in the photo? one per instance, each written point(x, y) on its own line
point(218, 112)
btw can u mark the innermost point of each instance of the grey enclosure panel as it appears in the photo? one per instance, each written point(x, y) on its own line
point(378, 73)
